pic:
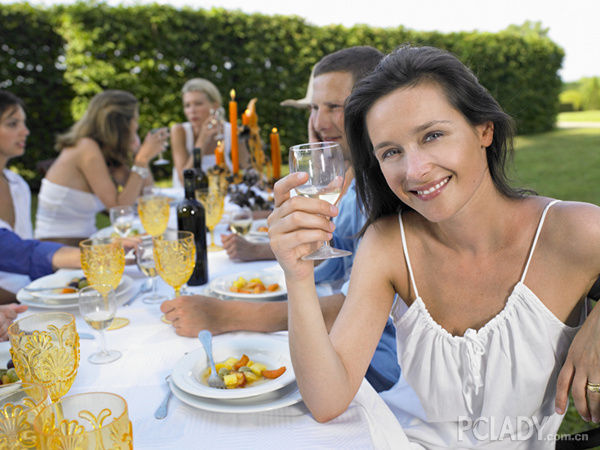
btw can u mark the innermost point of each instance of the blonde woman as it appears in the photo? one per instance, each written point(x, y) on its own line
point(201, 101)
point(94, 170)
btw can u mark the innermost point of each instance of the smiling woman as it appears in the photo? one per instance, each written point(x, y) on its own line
point(434, 144)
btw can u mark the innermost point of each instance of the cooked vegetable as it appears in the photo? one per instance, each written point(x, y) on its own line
point(237, 373)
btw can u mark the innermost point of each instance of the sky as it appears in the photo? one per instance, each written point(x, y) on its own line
point(573, 24)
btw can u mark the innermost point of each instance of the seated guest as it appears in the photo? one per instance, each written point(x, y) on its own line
point(94, 170)
point(8, 313)
point(15, 196)
point(334, 77)
point(485, 282)
point(201, 102)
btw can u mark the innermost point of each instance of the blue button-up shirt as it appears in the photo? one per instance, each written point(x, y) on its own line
point(26, 256)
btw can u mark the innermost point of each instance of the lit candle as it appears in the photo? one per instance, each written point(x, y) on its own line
point(234, 132)
point(219, 153)
point(246, 117)
point(275, 154)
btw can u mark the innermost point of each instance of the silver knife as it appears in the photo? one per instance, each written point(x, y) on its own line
point(139, 291)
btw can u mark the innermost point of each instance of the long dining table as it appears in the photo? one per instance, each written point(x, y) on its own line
point(150, 348)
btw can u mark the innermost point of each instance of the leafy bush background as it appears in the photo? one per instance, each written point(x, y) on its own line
point(151, 50)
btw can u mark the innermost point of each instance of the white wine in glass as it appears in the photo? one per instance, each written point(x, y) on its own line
point(240, 221)
point(324, 162)
point(145, 262)
point(98, 305)
point(121, 218)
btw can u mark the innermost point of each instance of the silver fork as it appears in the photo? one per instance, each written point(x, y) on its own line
point(214, 380)
point(161, 411)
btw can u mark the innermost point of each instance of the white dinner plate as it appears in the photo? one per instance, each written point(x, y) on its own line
point(272, 351)
point(281, 398)
point(256, 224)
point(59, 301)
point(220, 286)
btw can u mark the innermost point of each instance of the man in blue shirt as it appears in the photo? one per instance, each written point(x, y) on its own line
point(333, 78)
point(33, 258)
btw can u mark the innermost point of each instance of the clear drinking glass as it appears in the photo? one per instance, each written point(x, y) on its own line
point(98, 306)
point(325, 165)
point(147, 265)
point(121, 218)
point(161, 161)
point(240, 221)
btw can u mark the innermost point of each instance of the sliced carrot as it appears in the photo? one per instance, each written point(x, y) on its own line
point(241, 362)
point(68, 290)
point(273, 373)
point(273, 287)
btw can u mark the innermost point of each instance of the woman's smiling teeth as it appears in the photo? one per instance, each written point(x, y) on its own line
point(434, 188)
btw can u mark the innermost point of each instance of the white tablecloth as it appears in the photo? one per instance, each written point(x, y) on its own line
point(150, 348)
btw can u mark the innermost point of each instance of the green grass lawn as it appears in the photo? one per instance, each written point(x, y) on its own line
point(579, 116)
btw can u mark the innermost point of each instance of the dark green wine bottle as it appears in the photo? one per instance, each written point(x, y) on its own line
point(201, 176)
point(190, 217)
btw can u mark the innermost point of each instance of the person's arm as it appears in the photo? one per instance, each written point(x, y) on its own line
point(67, 258)
point(295, 228)
point(93, 166)
point(26, 256)
point(181, 158)
point(238, 248)
point(191, 314)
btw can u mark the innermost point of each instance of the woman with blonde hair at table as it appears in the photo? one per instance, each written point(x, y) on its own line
point(201, 103)
point(489, 280)
point(100, 165)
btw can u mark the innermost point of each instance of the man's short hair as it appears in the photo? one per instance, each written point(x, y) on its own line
point(359, 61)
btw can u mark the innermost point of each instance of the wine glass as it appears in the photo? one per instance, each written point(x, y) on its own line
point(98, 305)
point(240, 221)
point(175, 256)
point(121, 218)
point(161, 161)
point(214, 205)
point(325, 165)
point(154, 213)
point(45, 349)
point(103, 261)
point(19, 405)
point(93, 420)
point(145, 262)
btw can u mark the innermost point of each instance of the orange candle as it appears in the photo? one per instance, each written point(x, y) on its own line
point(234, 132)
point(220, 153)
point(275, 154)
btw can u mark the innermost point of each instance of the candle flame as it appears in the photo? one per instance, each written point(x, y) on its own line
point(274, 130)
point(232, 94)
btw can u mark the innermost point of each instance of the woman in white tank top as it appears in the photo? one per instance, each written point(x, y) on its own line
point(493, 277)
point(201, 101)
point(92, 171)
point(15, 207)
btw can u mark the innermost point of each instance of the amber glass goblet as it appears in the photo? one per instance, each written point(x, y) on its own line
point(175, 257)
point(154, 213)
point(19, 404)
point(45, 350)
point(94, 420)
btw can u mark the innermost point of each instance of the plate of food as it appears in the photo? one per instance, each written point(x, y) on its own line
point(259, 228)
point(281, 398)
point(250, 364)
point(60, 289)
point(257, 285)
point(7, 371)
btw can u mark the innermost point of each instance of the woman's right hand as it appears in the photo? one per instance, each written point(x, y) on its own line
point(298, 226)
point(207, 138)
point(154, 143)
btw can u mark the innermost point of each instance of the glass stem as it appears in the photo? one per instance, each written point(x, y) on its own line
point(102, 343)
point(153, 283)
point(177, 290)
point(212, 238)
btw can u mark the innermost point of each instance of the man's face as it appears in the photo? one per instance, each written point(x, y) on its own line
point(330, 91)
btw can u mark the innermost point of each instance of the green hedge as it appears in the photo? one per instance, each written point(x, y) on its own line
point(152, 50)
point(32, 66)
